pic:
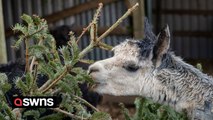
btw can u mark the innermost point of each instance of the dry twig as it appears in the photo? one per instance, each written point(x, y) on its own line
point(118, 22)
point(98, 40)
point(95, 18)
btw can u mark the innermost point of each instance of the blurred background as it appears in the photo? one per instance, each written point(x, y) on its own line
point(190, 22)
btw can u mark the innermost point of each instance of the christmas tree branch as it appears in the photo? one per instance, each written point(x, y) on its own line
point(98, 40)
point(47, 86)
point(95, 18)
point(68, 114)
point(86, 61)
point(27, 55)
point(87, 103)
point(104, 46)
point(34, 58)
point(118, 22)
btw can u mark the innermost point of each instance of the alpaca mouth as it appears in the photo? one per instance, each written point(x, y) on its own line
point(98, 84)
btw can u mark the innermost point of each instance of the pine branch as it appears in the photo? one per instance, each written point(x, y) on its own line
point(93, 32)
point(68, 114)
point(87, 61)
point(46, 86)
point(87, 103)
point(95, 18)
point(34, 58)
point(98, 40)
point(27, 67)
point(118, 22)
point(39, 30)
point(104, 46)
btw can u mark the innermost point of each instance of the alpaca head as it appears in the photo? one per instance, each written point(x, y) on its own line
point(132, 65)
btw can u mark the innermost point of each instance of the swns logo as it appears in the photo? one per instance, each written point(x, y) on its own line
point(35, 102)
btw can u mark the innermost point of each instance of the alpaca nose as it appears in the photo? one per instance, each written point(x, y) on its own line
point(93, 68)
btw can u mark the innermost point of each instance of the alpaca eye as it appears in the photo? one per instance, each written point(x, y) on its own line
point(131, 68)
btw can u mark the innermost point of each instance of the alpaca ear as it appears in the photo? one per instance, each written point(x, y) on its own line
point(161, 46)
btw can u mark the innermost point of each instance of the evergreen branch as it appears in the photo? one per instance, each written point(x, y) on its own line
point(87, 103)
point(104, 46)
point(8, 110)
point(93, 32)
point(95, 18)
point(93, 40)
point(27, 67)
point(39, 30)
point(46, 86)
point(118, 22)
point(86, 50)
point(68, 114)
point(34, 80)
point(83, 32)
point(87, 61)
point(97, 42)
point(34, 58)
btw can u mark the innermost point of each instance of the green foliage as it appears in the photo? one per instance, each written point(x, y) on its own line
point(34, 113)
point(6, 111)
point(47, 60)
point(148, 110)
point(4, 85)
point(100, 116)
point(55, 116)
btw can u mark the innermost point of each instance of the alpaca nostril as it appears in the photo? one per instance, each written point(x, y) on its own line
point(93, 69)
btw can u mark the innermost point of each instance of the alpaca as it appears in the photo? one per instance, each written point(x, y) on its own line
point(149, 69)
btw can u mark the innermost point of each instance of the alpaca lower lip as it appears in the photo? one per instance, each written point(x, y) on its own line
point(100, 83)
point(97, 84)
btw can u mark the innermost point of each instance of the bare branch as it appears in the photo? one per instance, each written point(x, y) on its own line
point(93, 32)
point(95, 18)
point(103, 45)
point(118, 22)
